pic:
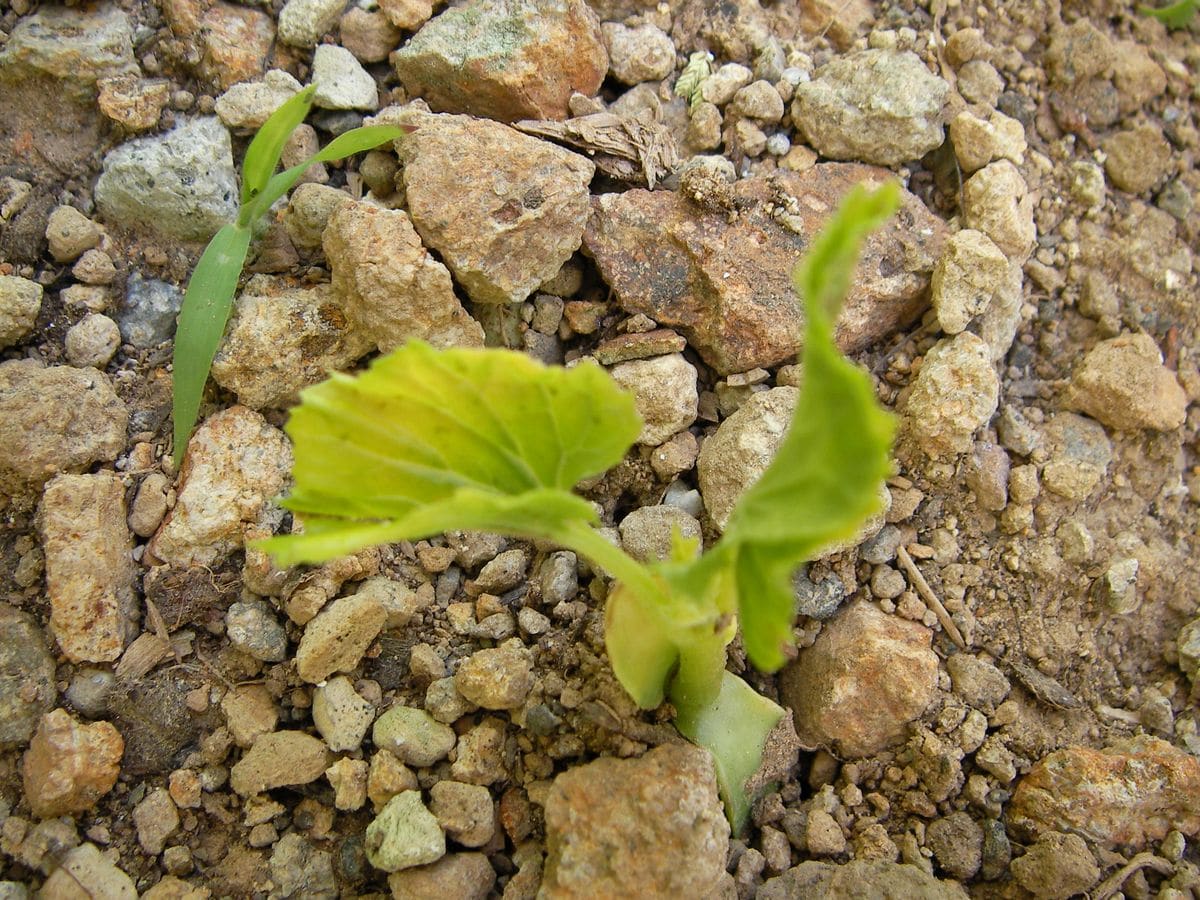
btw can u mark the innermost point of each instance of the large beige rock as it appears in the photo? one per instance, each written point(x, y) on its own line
point(336, 639)
point(89, 569)
point(955, 394)
point(278, 759)
point(20, 303)
point(1123, 383)
point(664, 389)
point(996, 201)
point(69, 766)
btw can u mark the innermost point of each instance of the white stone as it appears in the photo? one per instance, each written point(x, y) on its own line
point(342, 82)
point(249, 104)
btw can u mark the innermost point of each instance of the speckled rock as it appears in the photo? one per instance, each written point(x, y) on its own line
point(85, 864)
point(978, 142)
point(955, 394)
point(338, 636)
point(957, 844)
point(413, 736)
point(303, 22)
point(496, 678)
point(463, 876)
point(1123, 383)
point(875, 106)
point(89, 568)
point(1137, 159)
point(644, 53)
point(55, 419)
point(69, 766)
point(92, 341)
point(404, 834)
point(253, 628)
point(180, 184)
point(664, 389)
point(1079, 454)
point(298, 869)
point(147, 317)
point(20, 303)
point(283, 337)
point(651, 826)
point(69, 233)
point(1057, 866)
point(236, 465)
point(27, 688)
point(233, 41)
point(740, 450)
point(864, 680)
point(250, 103)
point(342, 82)
point(857, 879)
point(376, 257)
point(503, 228)
point(1130, 793)
point(465, 812)
point(996, 201)
point(481, 753)
point(968, 274)
point(519, 61)
point(341, 715)
point(647, 532)
point(726, 286)
point(278, 759)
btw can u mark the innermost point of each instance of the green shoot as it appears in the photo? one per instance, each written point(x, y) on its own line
point(209, 296)
point(428, 441)
point(698, 68)
point(1177, 15)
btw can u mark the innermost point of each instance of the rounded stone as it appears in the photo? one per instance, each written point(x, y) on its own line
point(413, 736)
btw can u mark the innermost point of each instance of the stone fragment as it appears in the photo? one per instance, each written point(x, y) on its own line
point(20, 303)
point(413, 736)
point(407, 14)
point(665, 392)
point(156, 818)
point(236, 465)
point(504, 572)
point(1079, 453)
point(249, 104)
point(27, 688)
point(740, 450)
point(1057, 866)
point(758, 100)
point(1136, 76)
point(823, 834)
point(302, 23)
point(368, 34)
point(496, 678)
point(404, 834)
point(250, 712)
point(502, 228)
point(978, 142)
point(341, 715)
point(987, 474)
point(651, 826)
point(133, 103)
point(283, 337)
point(92, 341)
point(463, 876)
point(252, 628)
point(465, 812)
point(86, 865)
point(726, 286)
point(1078, 52)
point(376, 257)
point(309, 209)
point(69, 766)
point(337, 637)
point(481, 753)
point(977, 681)
point(648, 532)
point(55, 419)
point(957, 844)
point(234, 41)
point(147, 317)
point(1123, 383)
point(955, 394)
point(857, 879)
point(348, 778)
point(996, 201)
point(519, 61)
point(89, 569)
point(1137, 159)
point(342, 82)
point(874, 106)
point(1130, 793)
point(279, 759)
point(180, 185)
point(969, 272)
point(864, 680)
point(298, 869)
point(69, 233)
point(644, 53)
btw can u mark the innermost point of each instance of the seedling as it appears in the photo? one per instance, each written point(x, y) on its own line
point(209, 295)
point(1177, 15)
point(430, 440)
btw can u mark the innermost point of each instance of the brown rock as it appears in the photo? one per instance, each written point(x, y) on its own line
point(1123, 383)
point(278, 759)
point(647, 827)
point(727, 286)
point(390, 287)
point(1129, 794)
point(504, 210)
point(867, 676)
point(335, 640)
point(132, 102)
point(463, 876)
point(1137, 159)
point(89, 571)
point(519, 60)
point(236, 42)
point(69, 766)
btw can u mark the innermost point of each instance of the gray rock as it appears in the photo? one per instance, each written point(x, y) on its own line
point(504, 572)
point(253, 628)
point(413, 736)
point(987, 474)
point(298, 869)
point(955, 393)
point(404, 834)
point(342, 82)
point(644, 53)
point(957, 844)
point(1058, 866)
point(92, 341)
point(502, 228)
point(1123, 383)
point(73, 46)
point(559, 578)
point(647, 532)
point(341, 715)
point(303, 22)
point(20, 303)
point(858, 879)
point(664, 389)
point(876, 106)
point(249, 104)
point(89, 691)
point(818, 601)
point(27, 687)
point(147, 317)
point(56, 419)
point(181, 184)
point(882, 547)
point(997, 850)
point(496, 678)
point(283, 337)
point(1079, 453)
point(651, 826)
point(721, 86)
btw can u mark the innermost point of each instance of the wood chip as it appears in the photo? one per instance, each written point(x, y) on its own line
point(624, 148)
point(1044, 688)
point(931, 599)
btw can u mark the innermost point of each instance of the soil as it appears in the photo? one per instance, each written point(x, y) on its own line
point(1025, 584)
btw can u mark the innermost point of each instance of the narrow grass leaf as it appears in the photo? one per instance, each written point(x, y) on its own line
point(1177, 15)
point(262, 156)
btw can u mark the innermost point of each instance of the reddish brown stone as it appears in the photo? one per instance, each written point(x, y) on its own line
point(722, 274)
point(70, 766)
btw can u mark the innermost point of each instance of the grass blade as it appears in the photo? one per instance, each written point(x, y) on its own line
point(202, 319)
point(262, 156)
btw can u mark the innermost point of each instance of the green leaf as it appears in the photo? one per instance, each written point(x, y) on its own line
point(1177, 15)
point(202, 318)
point(431, 440)
point(262, 156)
point(354, 141)
point(824, 482)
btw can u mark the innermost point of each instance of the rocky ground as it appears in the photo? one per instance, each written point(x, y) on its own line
point(994, 691)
